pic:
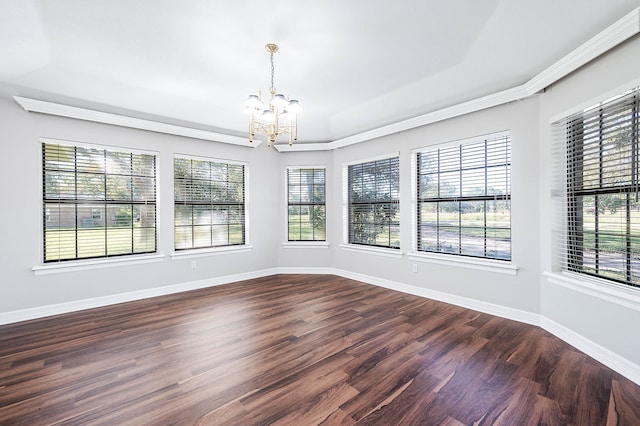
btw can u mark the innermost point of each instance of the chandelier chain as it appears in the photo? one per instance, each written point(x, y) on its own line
point(273, 71)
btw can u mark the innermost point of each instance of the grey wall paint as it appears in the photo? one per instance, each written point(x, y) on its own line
point(594, 318)
point(20, 165)
point(305, 257)
point(519, 292)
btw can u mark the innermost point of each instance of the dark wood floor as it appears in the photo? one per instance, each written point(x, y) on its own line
point(300, 350)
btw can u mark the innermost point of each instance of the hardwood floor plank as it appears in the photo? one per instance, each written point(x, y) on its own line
point(383, 380)
point(410, 406)
point(624, 404)
point(594, 385)
point(319, 408)
point(300, 350)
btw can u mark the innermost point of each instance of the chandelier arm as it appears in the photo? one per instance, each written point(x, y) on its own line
point(269, 121)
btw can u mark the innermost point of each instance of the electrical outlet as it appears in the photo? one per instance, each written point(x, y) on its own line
point(194, 265)
point(414, 267)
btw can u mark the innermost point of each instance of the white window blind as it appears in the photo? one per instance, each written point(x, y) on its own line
point(463, 194)
point(373, 203)
point(597, 220)
point(97, 202)
point(306, 209)
point(209, 203)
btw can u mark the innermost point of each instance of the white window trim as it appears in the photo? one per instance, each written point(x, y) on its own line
point(380, 251)
point(199, 252)
point(210, 251)
point(621, 294)
point(345, 210)
point(106, 262)
point(393, 154)
point(211, 159)
point(493, 265)
point(462, 142)
point(102, 262)
point(594, 101)
point(304, 244)
point(99, 146)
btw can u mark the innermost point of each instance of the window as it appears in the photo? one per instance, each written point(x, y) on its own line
point(463, 194)
point(306, 217)
point(373, 203)
point(209, 203)
point(97, 202)
point(599, 174)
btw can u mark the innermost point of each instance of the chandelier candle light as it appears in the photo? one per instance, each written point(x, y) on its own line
point(279, 118)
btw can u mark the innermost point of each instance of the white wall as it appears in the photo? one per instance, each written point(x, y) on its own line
point(601, 323)
point(597, 314)
point(20, 217)
point(296, 257)
point(520, 292)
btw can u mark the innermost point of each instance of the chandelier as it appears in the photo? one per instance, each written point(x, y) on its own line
point(279, 117)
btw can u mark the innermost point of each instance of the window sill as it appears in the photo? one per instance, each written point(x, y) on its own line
point(373, 250)
point(620, 294)
point(305, 244)
point(84, 265)
point(502, 267)
point(186, 254)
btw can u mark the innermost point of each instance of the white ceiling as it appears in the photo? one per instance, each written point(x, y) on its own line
point(355, 65)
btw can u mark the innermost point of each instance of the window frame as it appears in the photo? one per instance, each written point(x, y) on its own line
point(302, 242)
point(474, 261)
point(212, 249)
point(348, 244)
point(96, 204)
point(570, 144)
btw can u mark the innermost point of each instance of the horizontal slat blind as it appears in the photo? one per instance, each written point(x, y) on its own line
point(97, 202)
point(597, 220)
point(306, 215)
point(464, 198)
point(209, 203)
point(374, 203)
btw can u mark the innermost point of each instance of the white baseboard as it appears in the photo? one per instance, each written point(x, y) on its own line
point(612, 360)
point(617, 363)
point(476, 305)
point(308, 270)
point(97, 302)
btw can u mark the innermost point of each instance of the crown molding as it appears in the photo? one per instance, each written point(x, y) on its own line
point(473, 105)
point(623, 29)
point(34, 105)
point(319, 146)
